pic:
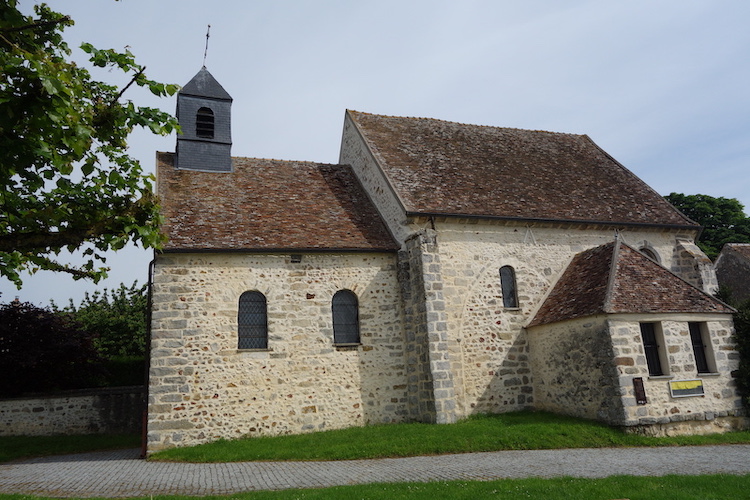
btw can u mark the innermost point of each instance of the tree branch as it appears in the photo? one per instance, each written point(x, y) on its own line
point(41, 241)
point(43, 24)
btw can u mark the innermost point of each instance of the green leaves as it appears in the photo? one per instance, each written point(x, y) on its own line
point(723, 220)
point(68, 181)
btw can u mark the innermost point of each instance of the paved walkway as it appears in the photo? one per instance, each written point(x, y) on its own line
point(121, 473)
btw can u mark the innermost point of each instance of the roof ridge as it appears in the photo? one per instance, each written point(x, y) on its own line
point(310, 162)
point(612, 278)
point(463, 124)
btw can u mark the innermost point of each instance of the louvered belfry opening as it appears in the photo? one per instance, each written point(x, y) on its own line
point(204, 123)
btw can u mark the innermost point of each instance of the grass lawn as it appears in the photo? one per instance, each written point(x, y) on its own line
point(516, 431)
point(509, 431)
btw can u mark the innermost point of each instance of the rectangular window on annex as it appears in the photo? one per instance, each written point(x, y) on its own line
point(653, 347)
point(700, 340)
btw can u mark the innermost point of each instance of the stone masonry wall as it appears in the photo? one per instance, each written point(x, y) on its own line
point(489, 348)
point(117, 410)
point(721, 398)
point(690, 263)
point(203, 388)
point(355, 152)
point(574, 370)
point(431, 386)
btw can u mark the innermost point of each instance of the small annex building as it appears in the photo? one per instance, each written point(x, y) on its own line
point(438, 270)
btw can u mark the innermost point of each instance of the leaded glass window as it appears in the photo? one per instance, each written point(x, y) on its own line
point(508, 287)
point(252, 320)
point(345, 318)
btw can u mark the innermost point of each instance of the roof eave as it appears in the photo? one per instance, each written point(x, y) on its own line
point(553, 221)
point(278, 250)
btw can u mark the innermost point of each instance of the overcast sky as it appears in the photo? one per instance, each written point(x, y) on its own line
point(664, 87)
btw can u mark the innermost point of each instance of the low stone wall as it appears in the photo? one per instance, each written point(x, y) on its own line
point(116, 410)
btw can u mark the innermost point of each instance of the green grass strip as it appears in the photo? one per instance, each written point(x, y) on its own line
point(509, 431)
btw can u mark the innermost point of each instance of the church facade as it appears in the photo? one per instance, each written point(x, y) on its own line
point(439, 270)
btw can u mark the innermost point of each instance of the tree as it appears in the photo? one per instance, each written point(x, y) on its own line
point(118, 317)
point(723, 220)
point(742, 337)
point(66, 179)
point(44, 351)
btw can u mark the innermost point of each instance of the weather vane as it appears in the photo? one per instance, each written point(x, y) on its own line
point(205, 52)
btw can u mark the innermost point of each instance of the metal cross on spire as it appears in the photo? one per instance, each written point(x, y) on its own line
point(205, 52)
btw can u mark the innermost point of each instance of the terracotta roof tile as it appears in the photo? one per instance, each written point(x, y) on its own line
point(615, 278)
point(268, 205)
point(440, 167)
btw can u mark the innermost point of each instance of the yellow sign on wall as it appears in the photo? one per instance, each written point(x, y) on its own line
point(685, 388)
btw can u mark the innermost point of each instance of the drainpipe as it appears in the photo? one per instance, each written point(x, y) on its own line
point(149, 304)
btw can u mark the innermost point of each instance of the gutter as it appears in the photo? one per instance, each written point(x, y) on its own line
point(554, 221)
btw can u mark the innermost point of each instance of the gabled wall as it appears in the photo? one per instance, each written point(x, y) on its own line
point(355, 152)
point(489, 350)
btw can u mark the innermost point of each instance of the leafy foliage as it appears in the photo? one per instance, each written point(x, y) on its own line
point(118, 317)
point(723, 220)
point(66, 179)
point(41, 351)
point(742, 336)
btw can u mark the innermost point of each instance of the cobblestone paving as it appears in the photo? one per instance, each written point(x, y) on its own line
point(122, 473)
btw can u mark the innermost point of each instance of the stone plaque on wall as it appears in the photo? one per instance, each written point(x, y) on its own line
point(640, 391)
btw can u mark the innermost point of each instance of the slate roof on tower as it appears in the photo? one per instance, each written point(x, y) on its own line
point(616, 278)
point(203, 84)
point(445, 168)
point(268, 205)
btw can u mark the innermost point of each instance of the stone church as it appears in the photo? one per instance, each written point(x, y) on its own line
point(437, 271)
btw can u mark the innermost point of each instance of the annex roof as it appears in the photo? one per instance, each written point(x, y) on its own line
point(444, 168)
point(616, 278)
point(268, 205)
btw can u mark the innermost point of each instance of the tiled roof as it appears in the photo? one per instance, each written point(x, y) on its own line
point(741, 248)
point(268, 205)
point(615, 278)
point(440, 167)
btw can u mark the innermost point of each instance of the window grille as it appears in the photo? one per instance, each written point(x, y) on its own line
point(345, 318)
point(252, 320)
point(651, 348)
point(508, 286)
point(204, 123)
point(699, 348)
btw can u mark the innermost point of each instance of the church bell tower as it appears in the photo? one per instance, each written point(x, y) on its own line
point(204, 114)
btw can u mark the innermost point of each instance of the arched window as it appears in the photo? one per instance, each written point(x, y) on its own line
point(650, 254)
point(508, 286)
point(204, 123)
point(252, 320)
point(345, 318)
